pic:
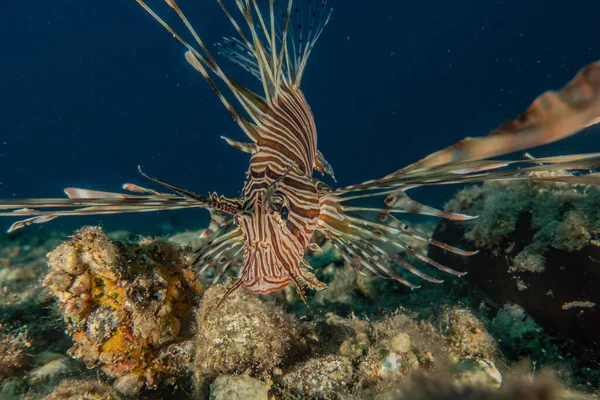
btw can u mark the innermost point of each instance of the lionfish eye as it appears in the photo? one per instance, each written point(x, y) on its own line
point(276, 202)
point(284, 212)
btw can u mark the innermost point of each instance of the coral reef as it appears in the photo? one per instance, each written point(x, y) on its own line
point(137, 312)
point(127, 307)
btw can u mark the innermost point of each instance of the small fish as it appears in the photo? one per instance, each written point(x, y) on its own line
point(266, 232)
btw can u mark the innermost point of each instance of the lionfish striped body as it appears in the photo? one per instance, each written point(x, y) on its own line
point(281, 201)
point(267, 230)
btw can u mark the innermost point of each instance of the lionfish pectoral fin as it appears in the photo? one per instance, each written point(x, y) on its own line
point(217, 221)
point(88, 202)
point(230, 290)
point(33, 220)
point(310, 280)
point(94, 202)
point(218, 203)
point(369, 242)
point(370, 238)
point(245, 147)
point(223, 249)
point(312, 246)
point(323, 167)
point(551, 117)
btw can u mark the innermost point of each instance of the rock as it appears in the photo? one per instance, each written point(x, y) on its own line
point(477, 372)
point(328, 377)
point(14, 352)
point(126, 306)
point(241, 387)
point(244, 333)
point(51, 371)
point(400, 343)
point(88, 389)
point(130, 384)
point(466, 336)
point(340, 289)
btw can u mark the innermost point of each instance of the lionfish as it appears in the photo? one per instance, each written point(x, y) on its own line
point(268, 229)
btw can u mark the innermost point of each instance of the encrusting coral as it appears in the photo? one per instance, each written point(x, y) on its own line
point(127, 307)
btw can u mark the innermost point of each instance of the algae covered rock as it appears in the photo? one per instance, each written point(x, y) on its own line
point(14, 352)
point(328, 377)
point(243, 334)
point(519, 334)
point(88, 389)
point(540, 250)
point(476, 372)
point(466, 335)
point(442, 386)
point(127, 307)
point(240, 387)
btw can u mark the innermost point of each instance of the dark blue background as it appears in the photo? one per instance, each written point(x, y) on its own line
point(89, 90)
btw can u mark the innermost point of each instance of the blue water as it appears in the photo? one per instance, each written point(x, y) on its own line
point(89, 90)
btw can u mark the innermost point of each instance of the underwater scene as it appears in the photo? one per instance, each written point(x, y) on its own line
point(300, 199)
